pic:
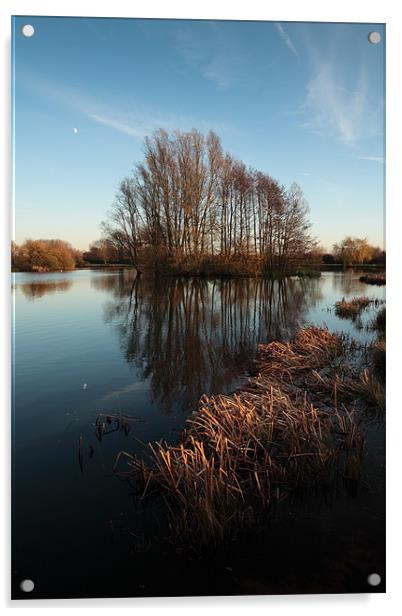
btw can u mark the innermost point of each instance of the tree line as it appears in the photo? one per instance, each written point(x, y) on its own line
point(188, 201)
point(355, 251)
point(190, 208)
point(55, 255)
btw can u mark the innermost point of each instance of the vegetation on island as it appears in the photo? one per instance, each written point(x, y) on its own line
point(351, 309)
point(191, 208)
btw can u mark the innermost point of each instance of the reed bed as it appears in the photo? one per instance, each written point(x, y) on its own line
point(377, 279)
point(241, 453)
point(353, 308)
point(364, 388)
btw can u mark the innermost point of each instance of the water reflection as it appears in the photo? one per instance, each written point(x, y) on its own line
point(195, 336)
point(36, 290)
point(347, 282)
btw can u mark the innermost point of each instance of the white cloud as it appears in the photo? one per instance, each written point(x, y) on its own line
point(138, 123)
point(286, 38)
point(376, 159)
point(122, 127)
point(332, 107)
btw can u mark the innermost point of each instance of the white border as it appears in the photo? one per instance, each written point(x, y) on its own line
point(287, 10)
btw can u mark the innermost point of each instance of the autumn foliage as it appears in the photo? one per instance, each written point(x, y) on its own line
point(42, 256)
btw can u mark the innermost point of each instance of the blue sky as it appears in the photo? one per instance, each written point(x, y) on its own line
point(303, 102)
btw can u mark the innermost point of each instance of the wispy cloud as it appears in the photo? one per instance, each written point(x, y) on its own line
point(136, 123)
point(376, 159)
point(217, 59)
point(134, 130)
point(287, 40)
point(219, 70)
point(339, 101)
point(332, 107)
point(140, 125)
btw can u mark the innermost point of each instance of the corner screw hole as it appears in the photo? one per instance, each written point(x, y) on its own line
point(27, 585)
point(374, 579)
point(28, 30)
point(374, 38)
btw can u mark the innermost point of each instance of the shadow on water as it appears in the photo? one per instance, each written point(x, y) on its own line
point(192, 336)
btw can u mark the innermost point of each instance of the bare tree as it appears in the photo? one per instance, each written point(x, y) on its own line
point(188, 199)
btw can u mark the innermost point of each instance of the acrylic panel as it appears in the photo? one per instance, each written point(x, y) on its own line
point(198, 308)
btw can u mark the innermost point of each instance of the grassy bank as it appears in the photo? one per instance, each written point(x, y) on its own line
point(292, 426)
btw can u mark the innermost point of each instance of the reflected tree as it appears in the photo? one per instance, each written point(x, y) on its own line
point(195, 336)
point(36, 290)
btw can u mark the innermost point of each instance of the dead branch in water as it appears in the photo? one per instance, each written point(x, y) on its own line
point(106, 423)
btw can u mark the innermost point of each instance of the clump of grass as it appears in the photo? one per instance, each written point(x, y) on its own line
point(378, 279)
point(379, 322)
point(369, 389)
point(353, 308)
point(240, 453)
point(350, 382)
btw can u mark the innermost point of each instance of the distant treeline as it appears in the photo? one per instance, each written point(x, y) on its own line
point(57, 255)
point(44, 256)
point(355, 251)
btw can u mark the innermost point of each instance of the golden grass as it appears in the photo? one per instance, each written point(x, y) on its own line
point(353, 308)
point(239, 453)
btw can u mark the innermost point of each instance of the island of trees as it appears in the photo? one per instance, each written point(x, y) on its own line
point(190, 208)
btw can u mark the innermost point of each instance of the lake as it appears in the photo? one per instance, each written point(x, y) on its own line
point(102, 341)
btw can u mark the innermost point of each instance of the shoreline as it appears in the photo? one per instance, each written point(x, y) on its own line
point(301, 273)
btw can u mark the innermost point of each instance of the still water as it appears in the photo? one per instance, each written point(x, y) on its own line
point(93, 341)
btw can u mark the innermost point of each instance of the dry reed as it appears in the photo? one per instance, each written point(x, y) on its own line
point(353, 308)
point(240, 453)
